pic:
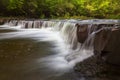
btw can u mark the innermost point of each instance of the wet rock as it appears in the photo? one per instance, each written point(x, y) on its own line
point(106, 41)
point(106, 58)
point(107, 44)
point(91, 68)
point(113, 47)
point(101, 39)
point(26, 25)
point(82, 32)
point(2, 21)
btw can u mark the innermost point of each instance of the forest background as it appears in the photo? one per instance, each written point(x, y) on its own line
point(80, 9)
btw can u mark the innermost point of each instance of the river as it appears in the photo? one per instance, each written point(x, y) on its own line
point(32, 52)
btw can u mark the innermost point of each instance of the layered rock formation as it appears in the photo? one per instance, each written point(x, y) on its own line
point(106, 58)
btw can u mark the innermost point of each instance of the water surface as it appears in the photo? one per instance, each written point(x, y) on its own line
point(32, 55)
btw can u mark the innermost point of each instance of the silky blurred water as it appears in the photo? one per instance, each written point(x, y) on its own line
point(33, 54)
point(42, 53)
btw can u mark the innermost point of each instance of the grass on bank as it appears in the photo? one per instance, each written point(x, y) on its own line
point(62, 17)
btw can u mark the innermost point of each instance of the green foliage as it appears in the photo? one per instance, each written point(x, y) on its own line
point(61, 8)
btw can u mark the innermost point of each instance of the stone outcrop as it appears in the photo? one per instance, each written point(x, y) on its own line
point(82, 32)
point(106, 45)
point(106, 58)
point(2, 21)
point(112, 47)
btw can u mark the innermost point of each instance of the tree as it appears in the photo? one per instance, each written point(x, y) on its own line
point(60, 8)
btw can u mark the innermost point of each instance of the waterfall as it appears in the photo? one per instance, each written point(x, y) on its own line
point(73, 39)
point(68, 31)
point(56, 49)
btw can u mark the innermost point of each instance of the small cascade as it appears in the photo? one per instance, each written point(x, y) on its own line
point(68, 33)
point(67, 29)
point(37, 24)
point(78, 36)
point(12, 23)
point(84, 49)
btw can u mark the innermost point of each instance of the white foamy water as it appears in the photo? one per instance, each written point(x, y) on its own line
point(56, 62)
point(61, 34)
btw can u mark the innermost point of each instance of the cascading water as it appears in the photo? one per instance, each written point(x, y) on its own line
point(66, 30)
point(85, 49)
point(72, 42)
point(72, 50)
